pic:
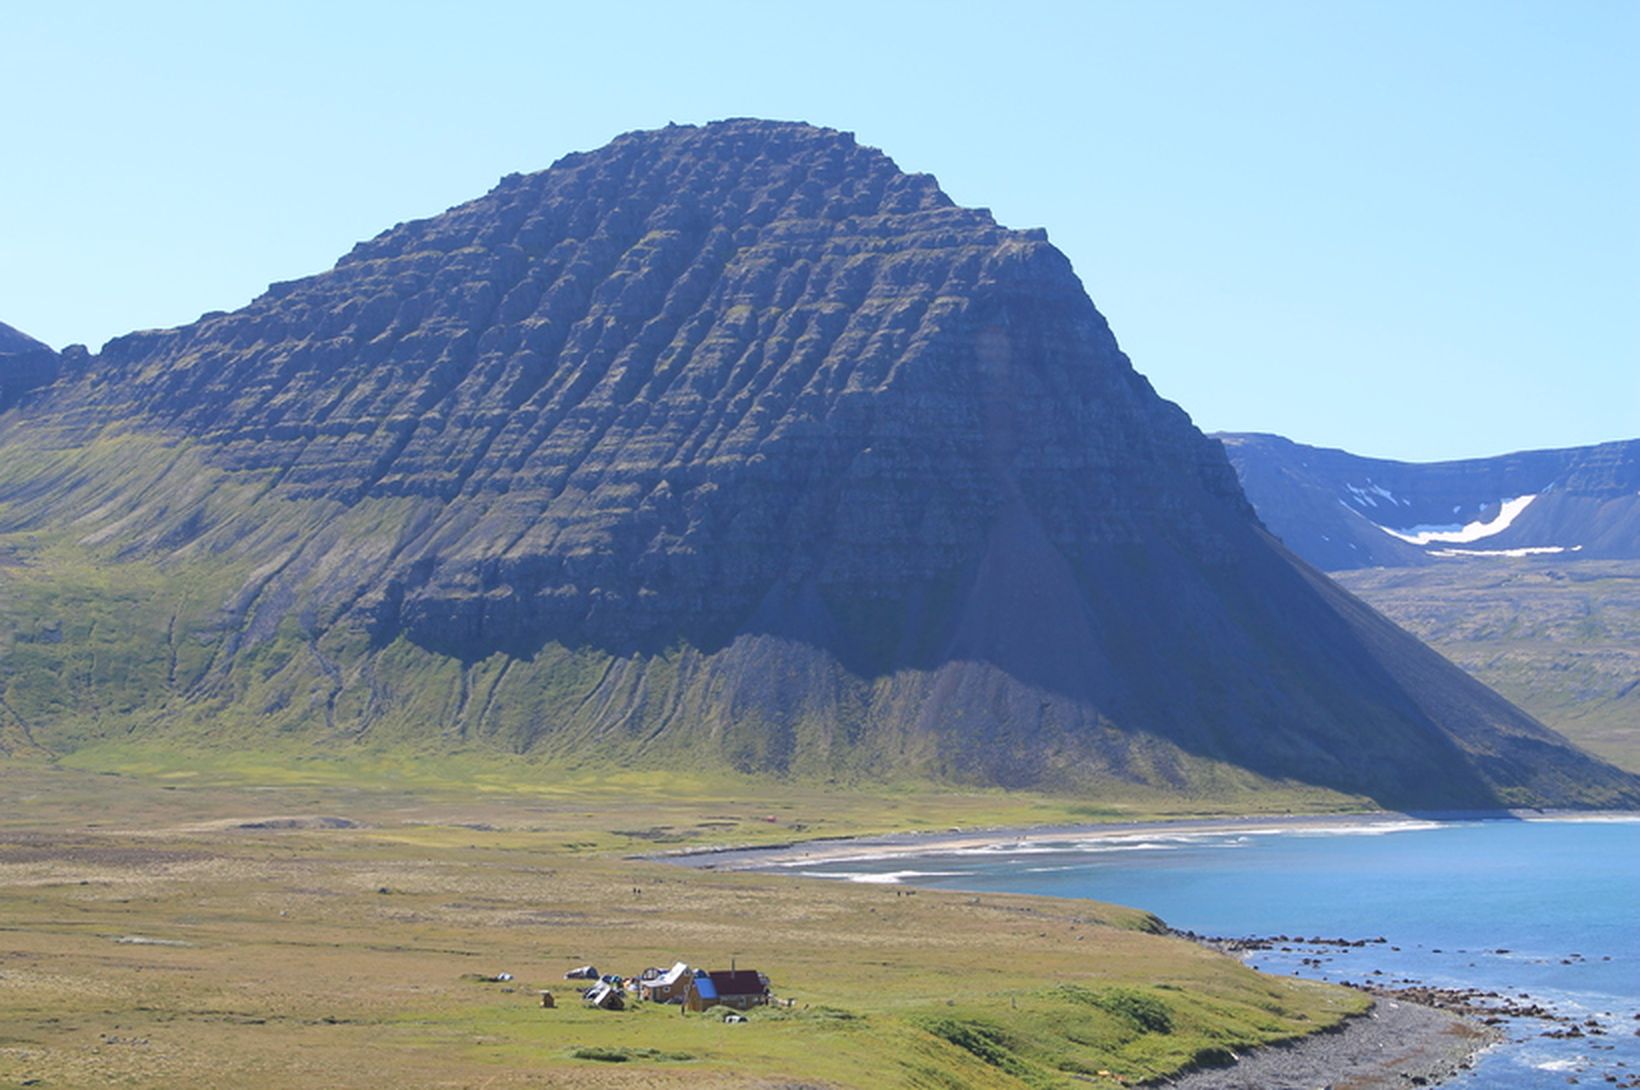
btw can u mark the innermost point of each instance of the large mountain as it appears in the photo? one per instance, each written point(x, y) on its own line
point(731, 445)
point(1341, 511)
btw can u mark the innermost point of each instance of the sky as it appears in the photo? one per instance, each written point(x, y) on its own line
point(1407, 229)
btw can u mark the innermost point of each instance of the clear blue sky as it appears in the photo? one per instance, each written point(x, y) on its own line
point(1410, 229)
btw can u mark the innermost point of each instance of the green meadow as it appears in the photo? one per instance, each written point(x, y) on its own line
point(190, 924)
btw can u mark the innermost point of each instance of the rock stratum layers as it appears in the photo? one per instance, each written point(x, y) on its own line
point(737, 444)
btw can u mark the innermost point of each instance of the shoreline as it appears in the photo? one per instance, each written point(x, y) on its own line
point(788, 854)
point(1395, 1044)
point(1400, 1041)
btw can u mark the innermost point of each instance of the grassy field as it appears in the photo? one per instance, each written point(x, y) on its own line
point(167, 923)
point(1560, 638)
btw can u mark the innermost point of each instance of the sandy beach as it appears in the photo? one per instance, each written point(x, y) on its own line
point(890, 845)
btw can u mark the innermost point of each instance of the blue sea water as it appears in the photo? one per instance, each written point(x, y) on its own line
point(1548, 909)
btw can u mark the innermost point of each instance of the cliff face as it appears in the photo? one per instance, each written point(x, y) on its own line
point(822, 471)
point(653, 386)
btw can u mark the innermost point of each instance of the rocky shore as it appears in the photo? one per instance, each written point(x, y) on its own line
point(1397, 1044)
point(1416, 1034)
point(1488, 1007)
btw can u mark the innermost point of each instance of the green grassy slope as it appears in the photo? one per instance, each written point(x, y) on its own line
point(1560, 638)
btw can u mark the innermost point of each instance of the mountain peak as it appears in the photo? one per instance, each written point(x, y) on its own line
point(742, 174)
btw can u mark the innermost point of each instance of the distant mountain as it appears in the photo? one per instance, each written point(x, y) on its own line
point(1341, 511)
point(13, 341)
point(730, 447)
point(25, 364)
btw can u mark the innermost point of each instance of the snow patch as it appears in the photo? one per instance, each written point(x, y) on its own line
point(1529, 550)
point(1508, 511)
point(1364, 494)
point(1387, 494)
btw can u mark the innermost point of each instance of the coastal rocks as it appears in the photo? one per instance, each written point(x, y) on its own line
point(1488, 1007)
point(1583, 1039)
point(1254, 943)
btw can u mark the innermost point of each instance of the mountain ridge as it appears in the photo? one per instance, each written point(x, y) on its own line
point(25, 364)
point(1340, 510)
point(731, 441)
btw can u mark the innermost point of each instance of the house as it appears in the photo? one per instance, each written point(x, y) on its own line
point(671, 986)
point(737, 988)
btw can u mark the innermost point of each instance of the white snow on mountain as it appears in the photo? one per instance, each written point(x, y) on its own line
point(1528, 550)
point(1508, 511)
point(1365, 495)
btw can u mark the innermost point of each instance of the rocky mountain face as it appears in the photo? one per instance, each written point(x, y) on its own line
point(13, 341)
point(25, 364)
point(736, 445)
point(1340, 511)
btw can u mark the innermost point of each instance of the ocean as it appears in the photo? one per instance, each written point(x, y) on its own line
point(1546, 912)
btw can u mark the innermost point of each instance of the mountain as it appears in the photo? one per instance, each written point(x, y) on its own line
point(1340, 511)
point(25, 364)
point(13, 341)
point(729, 446)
